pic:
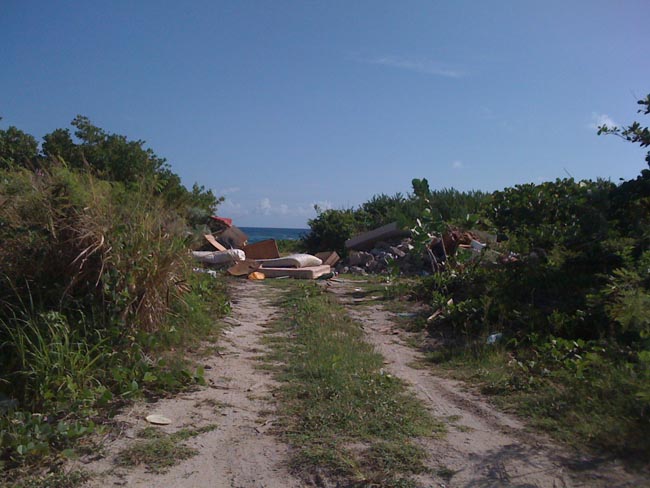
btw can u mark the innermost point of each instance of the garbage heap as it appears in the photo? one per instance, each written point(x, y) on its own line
point(387, 249)
point(227, 247)
point(390, 249)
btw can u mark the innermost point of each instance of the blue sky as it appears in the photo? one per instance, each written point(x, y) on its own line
point(282, 105)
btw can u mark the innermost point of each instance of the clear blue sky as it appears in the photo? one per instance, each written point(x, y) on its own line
point(278, 105)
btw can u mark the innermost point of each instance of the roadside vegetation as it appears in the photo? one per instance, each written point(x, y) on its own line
point(96, 285)
point(331, 228)
point(340, 411)
point(158, 451)
point(98, 303)
point(552, 318)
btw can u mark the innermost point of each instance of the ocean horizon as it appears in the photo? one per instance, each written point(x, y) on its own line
point(256, 234)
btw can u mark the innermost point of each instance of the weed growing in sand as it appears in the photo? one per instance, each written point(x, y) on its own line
point(159, 451)
point(342, 411)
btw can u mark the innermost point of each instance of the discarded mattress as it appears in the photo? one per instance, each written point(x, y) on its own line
point(307, 273)
point(219, 257)
point(291, 261)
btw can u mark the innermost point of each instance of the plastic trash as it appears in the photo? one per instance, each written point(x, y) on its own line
point(210, 272)
point(158, 420)
point(494, 338)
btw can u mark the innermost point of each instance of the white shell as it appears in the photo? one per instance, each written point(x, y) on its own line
point(158, 420)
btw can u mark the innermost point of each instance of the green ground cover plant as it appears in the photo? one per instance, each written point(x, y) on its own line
point(341, 411)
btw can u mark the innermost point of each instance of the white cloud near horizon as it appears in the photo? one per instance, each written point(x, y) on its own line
point(457, 164)
point(266, 209)
point(323, 205)
point(265, 206)
point(233, 208)
point(229, 191)
point(601, 119)
point(418, 65)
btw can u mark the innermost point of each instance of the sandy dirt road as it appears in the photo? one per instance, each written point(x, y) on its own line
point(240, 452)
point(483, 447)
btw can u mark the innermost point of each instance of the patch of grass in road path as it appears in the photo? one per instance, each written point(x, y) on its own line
point(338, 408)
point(160, 451)
point(59, 479)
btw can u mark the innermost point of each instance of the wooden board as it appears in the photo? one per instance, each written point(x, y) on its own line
point(328, 257)
point(310, 273)
point(267, 249)
point(366, 241)
point(244, 267)
point(214, 243)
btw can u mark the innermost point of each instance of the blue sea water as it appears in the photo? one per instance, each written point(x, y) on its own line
point(256, 234)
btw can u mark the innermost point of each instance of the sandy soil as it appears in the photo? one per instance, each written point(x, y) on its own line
point(484, 447)
point(240, 452)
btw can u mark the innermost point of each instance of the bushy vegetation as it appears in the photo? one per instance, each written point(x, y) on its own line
point(95, 283)
point(563, 296)
point(108, 156)
point(331, 228)
point(569, 294)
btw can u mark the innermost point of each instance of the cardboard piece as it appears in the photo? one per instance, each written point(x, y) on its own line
point(245, 267)
point(366, 241)
point(309, 273)
point(233, 237)
point(267, 249)
point(328, 257)
point(214, 243)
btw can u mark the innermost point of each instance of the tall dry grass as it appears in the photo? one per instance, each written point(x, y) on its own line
point(69, 238)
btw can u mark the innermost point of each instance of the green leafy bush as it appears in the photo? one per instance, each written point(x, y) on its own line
point(568, 290)
point(96, 285)
point(329, 231)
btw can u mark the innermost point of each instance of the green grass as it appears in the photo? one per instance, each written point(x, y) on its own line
point(445, 473)
point(290, 246)
point(334, 396)
point(588, 408)
point(159, 451)
point(74, 375)
point(57, 479)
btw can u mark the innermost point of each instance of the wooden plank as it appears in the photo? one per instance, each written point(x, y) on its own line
point(210, 238)
point(328, 257)
point(365, 241)
point(244, 267)
point(267, 249)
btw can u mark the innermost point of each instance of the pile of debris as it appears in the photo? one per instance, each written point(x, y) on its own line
point(227, 246)
point(390, 249)
point(387, 249)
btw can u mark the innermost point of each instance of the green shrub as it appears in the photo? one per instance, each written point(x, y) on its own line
point(329, 231)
